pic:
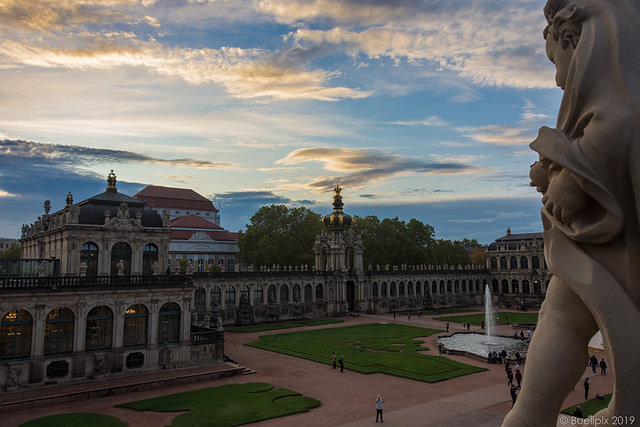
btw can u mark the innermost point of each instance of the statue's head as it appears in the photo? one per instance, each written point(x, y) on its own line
point(562, 33)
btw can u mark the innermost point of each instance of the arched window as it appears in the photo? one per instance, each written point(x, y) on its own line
point(319, 292)
point(296, 292)
point(230, 264)
point(89, 255)
point(535, 262)
point(513, 263)
point(149, 256)
point(515, 286)
point(135, 325)
point(230, 295)
point(505, 286)
point(393, 289)
point(494, 262)
point(537, 289)
point(495, 286)
point(448, 286)
point(410, 288)
point(58, 331)
point(383, 289)
point(401, 288)
point(441, 287)
point(15, 334)
point(121, 252)
point(271, 294)
point(199, 296)
point(374, 290)
point(525, 287)
point(200, 266)
point(418, 288)
point(99, 331)
point(307, 293)
point(244, 292)
point(258, 294)
point(434, 288)
point(456, 287)
point(503, 263)
point(169, 323)
point(216, 296)
point(464, 286)
point(524, 263)
point(284, 294)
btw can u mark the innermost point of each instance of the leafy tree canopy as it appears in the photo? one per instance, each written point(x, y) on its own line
point(280, 235)
point(395, 242)
point(458, 252)
point(12, 252)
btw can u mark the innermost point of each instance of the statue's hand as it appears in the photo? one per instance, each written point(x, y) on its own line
point(564, 198)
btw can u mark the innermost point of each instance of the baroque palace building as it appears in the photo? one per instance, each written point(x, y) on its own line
point(103, 304)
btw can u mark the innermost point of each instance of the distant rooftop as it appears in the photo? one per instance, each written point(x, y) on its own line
point(171, 197)
point(512, 240)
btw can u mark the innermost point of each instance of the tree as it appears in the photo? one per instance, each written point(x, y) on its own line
point(12, 252)
point(458, 252)
point(395, 242)
point(280, 235)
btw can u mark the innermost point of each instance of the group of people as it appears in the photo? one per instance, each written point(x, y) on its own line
point(340, 361)
point(593, 361)
point(513, 388)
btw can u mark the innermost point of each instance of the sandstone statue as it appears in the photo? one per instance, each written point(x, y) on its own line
point(589, 176)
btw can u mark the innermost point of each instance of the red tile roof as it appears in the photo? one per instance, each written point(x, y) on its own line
point(194, 221)
point(171, 197)
point(224, 236)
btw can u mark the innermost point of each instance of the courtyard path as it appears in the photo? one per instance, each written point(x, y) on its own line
point(480, 399)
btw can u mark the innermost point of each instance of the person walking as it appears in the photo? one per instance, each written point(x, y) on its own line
point(379, 401)
point(594, 363)
point(333, 358)
point(518, 377)
point(510, 376)
point(603, 367)
point(514, 394)
point(447, 327)
point(586, 388)
point(341, 361)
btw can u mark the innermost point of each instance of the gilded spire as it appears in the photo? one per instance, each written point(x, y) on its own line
point(69, 200)
point(111, 181)
point(337, 220)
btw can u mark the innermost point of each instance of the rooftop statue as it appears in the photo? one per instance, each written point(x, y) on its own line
point(589, 176)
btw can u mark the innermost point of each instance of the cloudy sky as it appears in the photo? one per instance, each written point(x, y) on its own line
point(417, 108)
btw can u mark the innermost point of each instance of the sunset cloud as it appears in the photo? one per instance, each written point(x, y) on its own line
point(75, 156)
point(363, 166)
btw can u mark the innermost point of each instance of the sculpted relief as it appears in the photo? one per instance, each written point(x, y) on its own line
point(589, 177)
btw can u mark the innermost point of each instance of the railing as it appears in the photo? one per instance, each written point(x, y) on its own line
point(206, 337)
point(62, 283)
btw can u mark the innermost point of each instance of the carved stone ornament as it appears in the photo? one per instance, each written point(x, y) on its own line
point(589, 177)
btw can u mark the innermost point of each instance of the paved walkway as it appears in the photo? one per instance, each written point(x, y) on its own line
point(480, 399)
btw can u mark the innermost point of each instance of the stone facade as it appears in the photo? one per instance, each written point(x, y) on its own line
point(106, 305)
point(519, 272)
point(111, 233)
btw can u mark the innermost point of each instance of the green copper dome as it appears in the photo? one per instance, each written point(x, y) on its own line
point(337, 220)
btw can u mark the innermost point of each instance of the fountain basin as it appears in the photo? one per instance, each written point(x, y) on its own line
point(477, 345)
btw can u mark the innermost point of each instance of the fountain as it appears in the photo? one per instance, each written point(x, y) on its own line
point(480, 345)
point(488, 304)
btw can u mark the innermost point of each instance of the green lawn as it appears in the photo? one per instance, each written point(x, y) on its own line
point(229, 405)
point(477, 319)
point(276, 326)
point(75, 420)
point(387, 348)
point(590, 407)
